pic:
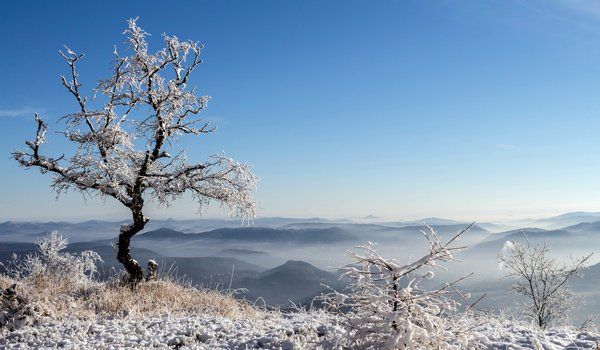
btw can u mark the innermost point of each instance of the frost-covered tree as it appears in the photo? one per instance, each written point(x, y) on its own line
point(126, 138)
point(385, 306)
point(541, 279)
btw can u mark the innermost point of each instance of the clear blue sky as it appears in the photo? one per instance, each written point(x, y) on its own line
point(462, 109)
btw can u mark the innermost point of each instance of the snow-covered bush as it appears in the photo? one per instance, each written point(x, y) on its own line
point(46, 282)
point(385, 307)
point(51, 263)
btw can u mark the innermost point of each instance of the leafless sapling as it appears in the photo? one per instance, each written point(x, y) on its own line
point(385, 306)
point(542, 279)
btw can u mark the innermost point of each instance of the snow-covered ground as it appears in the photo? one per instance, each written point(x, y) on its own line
point(509, 335)
point(268, 331)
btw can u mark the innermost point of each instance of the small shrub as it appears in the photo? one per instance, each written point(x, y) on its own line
point(385, 308)
point(51, 264)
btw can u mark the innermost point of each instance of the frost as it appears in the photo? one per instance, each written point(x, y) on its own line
point(51, 261)
point(541, 279)
point(384, 308)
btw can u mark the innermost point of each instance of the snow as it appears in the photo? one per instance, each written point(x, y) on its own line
point(512, 335)
point(270, 330)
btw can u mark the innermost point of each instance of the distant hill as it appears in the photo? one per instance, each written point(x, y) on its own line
point(296, 268)
point(588, 281)
point(431, 221)
point(386, 231)
point(585, 227)
point(256, 234)
point(325, 235)
point(240, 251)
point(494, 227)
point(446, 228)
point(350, 227)
point(212, 272)
point(31, 231)
point(294, 281)
point(568, 219)
point(495, 241)
point(166, 234)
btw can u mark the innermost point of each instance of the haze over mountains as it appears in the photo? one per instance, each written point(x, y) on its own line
point(283, 260)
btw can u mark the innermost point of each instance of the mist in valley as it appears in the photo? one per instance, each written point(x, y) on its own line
point(283, 262)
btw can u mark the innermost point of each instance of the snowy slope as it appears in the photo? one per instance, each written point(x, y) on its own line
point(271, 330)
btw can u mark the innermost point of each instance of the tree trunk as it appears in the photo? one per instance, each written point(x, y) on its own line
point(133, 268)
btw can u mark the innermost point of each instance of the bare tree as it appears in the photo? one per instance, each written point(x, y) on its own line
point(541, 279)
point(124, 133)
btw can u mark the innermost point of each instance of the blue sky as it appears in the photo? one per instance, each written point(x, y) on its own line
point(465, 109)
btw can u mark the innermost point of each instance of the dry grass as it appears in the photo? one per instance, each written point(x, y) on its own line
point(161, 297)
point(61, 298)
point(52, 283)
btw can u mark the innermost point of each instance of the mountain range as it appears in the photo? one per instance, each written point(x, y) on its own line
point(281, 260)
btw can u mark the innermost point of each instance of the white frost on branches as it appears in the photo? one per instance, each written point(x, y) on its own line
point(50, 261)
point(385, 307)
point(125, 132)
point(541, 279)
